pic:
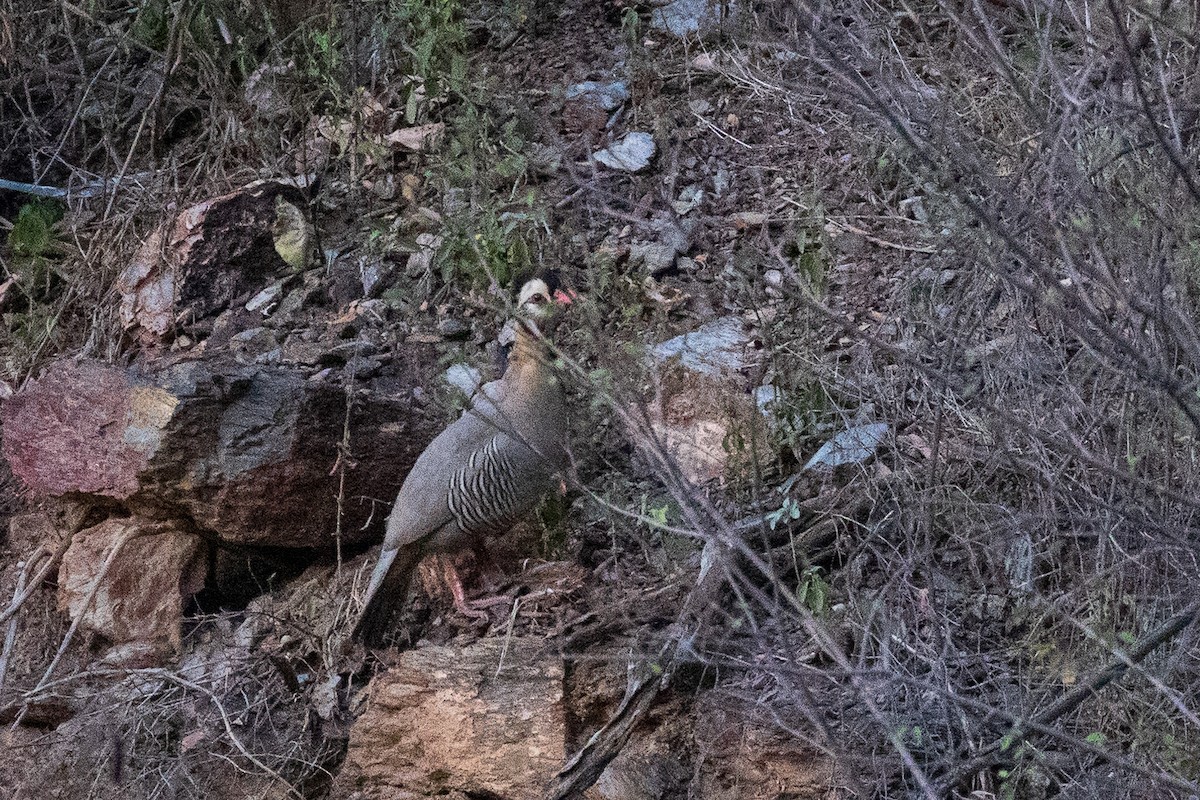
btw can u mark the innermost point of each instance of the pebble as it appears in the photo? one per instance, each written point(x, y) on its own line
point(631, 153)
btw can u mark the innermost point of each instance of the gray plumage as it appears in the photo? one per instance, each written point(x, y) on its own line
point(478, 476)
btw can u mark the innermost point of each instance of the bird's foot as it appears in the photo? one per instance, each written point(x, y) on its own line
point(456, 591)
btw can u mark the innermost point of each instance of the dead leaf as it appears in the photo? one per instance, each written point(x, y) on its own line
point(191, 740)
point(748, 219)
point(418, 139)
point(918, 443)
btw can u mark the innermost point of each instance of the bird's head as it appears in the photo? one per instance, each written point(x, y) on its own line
point(542, 301)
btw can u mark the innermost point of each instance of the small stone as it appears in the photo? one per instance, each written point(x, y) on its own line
point(689, 198)
point(255, 345)
point(453, 327)
point(748, 219)
point(686, 17)
point(655, 257)
point(714, 347)
point(543, 159)
point(700, 106)
point(767, 397)
point(608, 96)
point(720, 181)
point(677, 234)
point(361, 368)
point(266, 299)
point(630, 153)
point(463, 377)
point(773, 278)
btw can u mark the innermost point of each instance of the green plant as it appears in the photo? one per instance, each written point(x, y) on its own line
point(813, 592)
point(31, 244)
point(435, 38)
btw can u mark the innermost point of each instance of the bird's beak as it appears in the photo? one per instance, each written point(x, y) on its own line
point(564, 297)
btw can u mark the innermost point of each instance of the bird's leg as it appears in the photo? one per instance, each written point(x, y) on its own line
point(450, 574)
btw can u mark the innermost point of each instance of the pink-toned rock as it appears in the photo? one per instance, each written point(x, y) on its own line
point(139, 602)
point(707, 423)
point(67, 432)
point(443, 722)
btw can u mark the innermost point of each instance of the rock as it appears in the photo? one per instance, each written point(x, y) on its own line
point(463, 377)
point(421, 261)
point(687, 17)
point(743, 757)
point(543, 159)
point(608, 96)
point(139, 602)
point(265, 300)
point(691, 196)
point(748, 219)
point(852, 446)
point(631, 153)
point(245, 452)
point(211, 255)
point(654, 257)
point(768, 398)
point(261, 91)
point(82, 427)
point(721, 182)
point(715, 347)
point(701, 407)
point(453, 328)
point(483, 721)
point(677, 234)
point(292, 234)
point(255, 345)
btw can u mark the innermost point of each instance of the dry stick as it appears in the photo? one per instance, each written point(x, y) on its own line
point(586, 766)
point(1109, 344)
point(228, 724)
point(1072, 448)
point(993, 753)
point(19, 598)
point(340, 465)
point(722, 541)
point(10, 638)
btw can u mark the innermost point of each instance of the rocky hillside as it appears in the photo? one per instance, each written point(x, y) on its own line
point(881, 363)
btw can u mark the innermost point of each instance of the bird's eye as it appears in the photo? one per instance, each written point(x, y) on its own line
point(538, 299)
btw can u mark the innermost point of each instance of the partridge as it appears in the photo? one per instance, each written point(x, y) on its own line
point(482, 473)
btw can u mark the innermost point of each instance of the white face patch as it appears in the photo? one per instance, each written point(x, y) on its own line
point(535, 298)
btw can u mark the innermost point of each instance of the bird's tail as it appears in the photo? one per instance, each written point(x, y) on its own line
point(385, 599)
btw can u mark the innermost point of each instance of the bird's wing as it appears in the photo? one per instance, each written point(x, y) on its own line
point(421, 507)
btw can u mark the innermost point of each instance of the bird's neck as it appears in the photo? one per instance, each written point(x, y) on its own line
point(528, 363)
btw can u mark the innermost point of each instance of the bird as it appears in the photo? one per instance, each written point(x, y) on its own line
point(482, 473)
